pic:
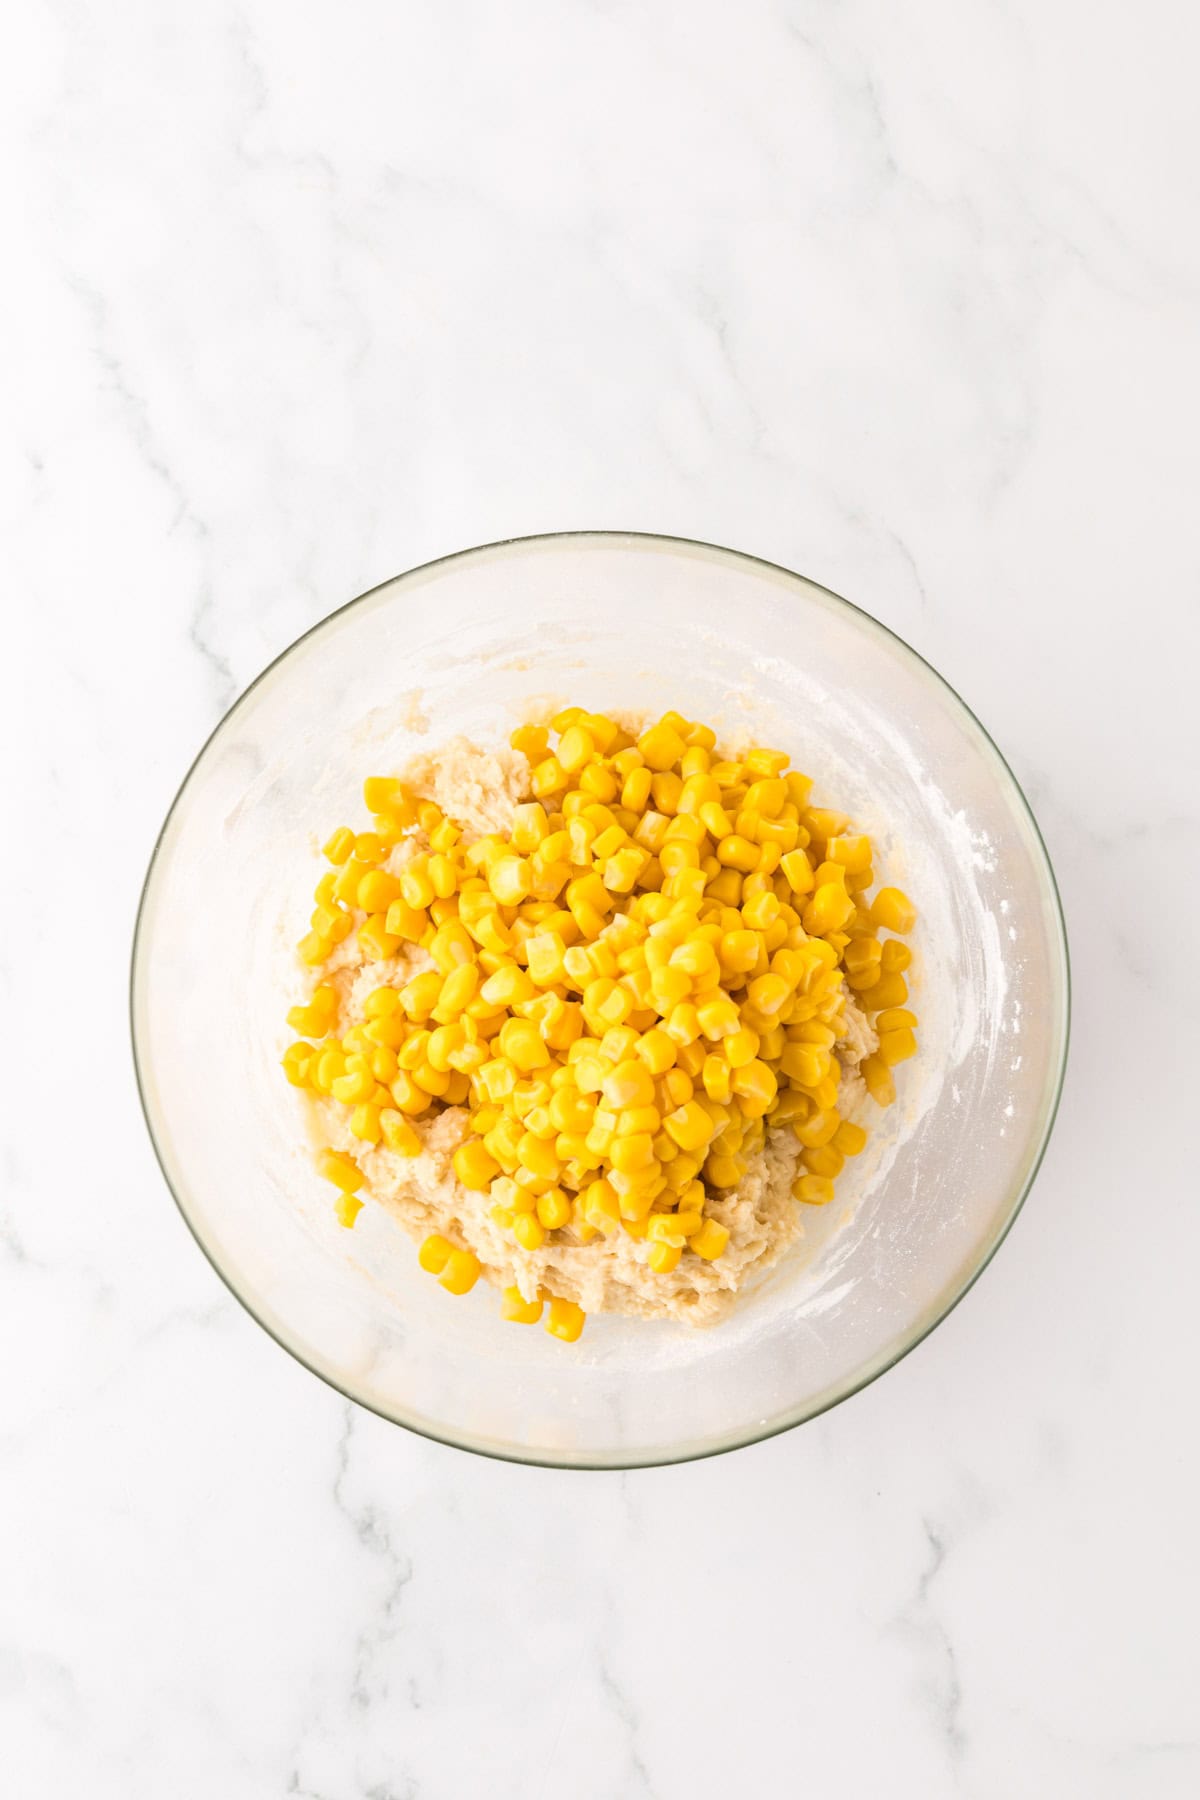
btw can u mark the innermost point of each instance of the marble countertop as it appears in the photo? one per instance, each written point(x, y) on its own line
point(903, 297)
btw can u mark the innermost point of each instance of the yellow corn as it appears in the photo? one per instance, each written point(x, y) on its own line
point(460, 1272)
point(352, 1087)
point(849, 1138)
point(622, 980)
point(529, 1231)
point(473, 1166)
point(517, 1309)
point(297, 1060)
point(797, 871)
point(828, 910)
point(347, 1209)
point(630, 1085)
point(575, 748)
point(853, 853)
point(819, 1127)
point(364, 1123)
point(895, 957)
point(893, 910)
point(888, 992)
point(377, 890)
point(827, 1160)
point(716, 1075)
point(434, 1253)
point(814, 1190)
point(656, 1050)
point(564, 1319)
point(710, 1241)
point(689, 1125)
point(862, 953)
point(601, 1206)
point(342, 1170)
point(737, 852)
point(892, 1018)
point(521, 1042)
point(896, 1046)
point(530, 740)
point(878, 1077)
point(553, 1209)
point(635, 789)
point(340, 845)
point(398, 1134)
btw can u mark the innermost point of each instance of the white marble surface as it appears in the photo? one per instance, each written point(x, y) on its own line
point(904, 297)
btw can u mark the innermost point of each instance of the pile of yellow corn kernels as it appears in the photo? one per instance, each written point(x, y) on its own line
point(647, 971)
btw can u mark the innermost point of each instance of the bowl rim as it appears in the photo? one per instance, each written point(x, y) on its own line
point(944, 1306)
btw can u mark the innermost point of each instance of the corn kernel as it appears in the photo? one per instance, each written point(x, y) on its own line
point(521, 1042)
point(828, 910)
point(853, 853)
point(819, 1128)
point(716, 1075)
point(347, 1209)
point(689, 1125)
point(553, 1209)
point(473, 1166)
point(548, 777)
point(598, 783)
point(377, 940)
point(530, 740)
point(631, 1084)
point(398, 1134)
point(849, 1138)
point(826, 1160)
point(314, 949)
point(894, 1018)
point(510, 879)
point(518, 1310)
point(888, 992)
point(564, 1319)
point(601, 1205)
point(862, 953)
point(893, 910)
point(631, 1154)
point(364, 1123)
point(357, 1085)
point(813, 1190)
point(736, 852)
point(878, 1077)
point(340, 846)
point(297, 1060)
point(529, 1231)
point(460, 1272)
point(824, 823)
point(342, 1170)
point(797, 871)
point(710, 1241)
point(740, 1047)
point(897, 1046)
point(377, 890)
point(755, 1086)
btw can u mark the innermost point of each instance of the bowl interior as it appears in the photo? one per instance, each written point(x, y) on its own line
point(473, 645)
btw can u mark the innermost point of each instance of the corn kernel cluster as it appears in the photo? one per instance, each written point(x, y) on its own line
point(647, 971)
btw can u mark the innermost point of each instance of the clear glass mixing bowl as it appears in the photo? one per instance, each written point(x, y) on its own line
point(472, 644)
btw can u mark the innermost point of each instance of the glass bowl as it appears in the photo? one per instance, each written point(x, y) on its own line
point(473, 644)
